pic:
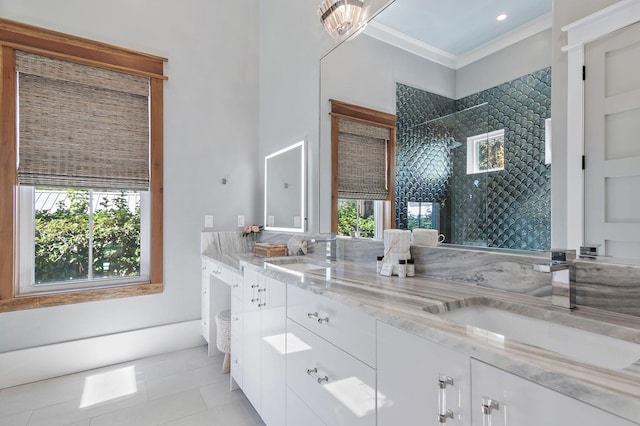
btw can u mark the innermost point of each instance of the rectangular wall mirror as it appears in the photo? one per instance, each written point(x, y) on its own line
point(470, 157)
point(285, 189)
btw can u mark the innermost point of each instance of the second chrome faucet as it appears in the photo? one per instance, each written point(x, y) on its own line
point(563, 293)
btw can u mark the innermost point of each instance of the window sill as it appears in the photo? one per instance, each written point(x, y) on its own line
point(68, 297)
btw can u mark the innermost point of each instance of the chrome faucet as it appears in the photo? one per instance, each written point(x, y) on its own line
point(563, 294)
point(331, 247)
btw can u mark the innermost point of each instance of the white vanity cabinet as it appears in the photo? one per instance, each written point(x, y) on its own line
point(419, 381)
point(263, 345)
point(414, 388)
point(524, 403)
point(215, 297)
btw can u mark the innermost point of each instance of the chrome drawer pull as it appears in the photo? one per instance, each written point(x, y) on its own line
point(254, 300)
point(262, 290)
point(254, 285)
point(323, 320)
point(312, 315)
point(261, 305)
point(488, 405)
point(313, 372)
point(444, 412)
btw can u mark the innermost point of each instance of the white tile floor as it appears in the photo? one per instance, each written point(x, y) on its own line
point(185, 388)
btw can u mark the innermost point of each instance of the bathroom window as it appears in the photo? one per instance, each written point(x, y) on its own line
point(363, 170)
point(360, 218)
point(79, 238)
point(86, 115)
point(485, 152)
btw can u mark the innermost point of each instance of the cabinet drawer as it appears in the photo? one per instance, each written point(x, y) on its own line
point(346, 328)
point(298, 413)
point(337, 387)
point(220, 272)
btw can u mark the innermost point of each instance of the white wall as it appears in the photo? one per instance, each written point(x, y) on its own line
point(210, 132)
point(564, 12)
point(522, 58)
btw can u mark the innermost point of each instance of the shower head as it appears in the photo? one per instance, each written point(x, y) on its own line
point(453, 144)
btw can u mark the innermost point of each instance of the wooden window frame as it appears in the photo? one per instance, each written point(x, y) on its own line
point(18, 36)
point(372, 117)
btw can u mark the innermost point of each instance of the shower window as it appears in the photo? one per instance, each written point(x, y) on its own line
point(485, 152)
point(422, 215)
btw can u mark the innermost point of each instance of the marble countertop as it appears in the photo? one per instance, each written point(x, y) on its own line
point(412, 304)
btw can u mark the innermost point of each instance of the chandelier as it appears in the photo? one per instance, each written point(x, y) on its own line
point(339, 16)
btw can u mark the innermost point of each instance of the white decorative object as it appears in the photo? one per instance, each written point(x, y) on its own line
point(397, 243)
point(427, 237)
point(297, 246)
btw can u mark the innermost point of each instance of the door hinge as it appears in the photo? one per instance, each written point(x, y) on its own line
point(583, 162)
point(584, 73)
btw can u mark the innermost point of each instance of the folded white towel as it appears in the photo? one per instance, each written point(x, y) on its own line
point(397, 240)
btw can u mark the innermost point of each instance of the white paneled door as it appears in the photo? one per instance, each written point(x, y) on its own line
point(612, 143)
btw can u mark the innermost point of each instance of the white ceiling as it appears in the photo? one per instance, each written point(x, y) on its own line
point(455, 29)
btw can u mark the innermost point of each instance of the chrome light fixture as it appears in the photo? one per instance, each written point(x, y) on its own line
point(339, 16)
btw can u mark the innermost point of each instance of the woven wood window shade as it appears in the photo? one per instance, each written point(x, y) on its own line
point(362, 161)
point(81, 126)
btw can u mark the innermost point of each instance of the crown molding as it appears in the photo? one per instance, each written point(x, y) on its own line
point(431, 53)
point(410, 44)
point(531, 28)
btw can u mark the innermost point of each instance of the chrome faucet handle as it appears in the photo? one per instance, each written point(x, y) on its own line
point(331, 245)
point(563, 255)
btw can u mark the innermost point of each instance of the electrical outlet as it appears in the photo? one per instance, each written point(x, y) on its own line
point(208, 221)
point(240, 221)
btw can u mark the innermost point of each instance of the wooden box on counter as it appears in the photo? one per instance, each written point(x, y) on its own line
point(270, 250)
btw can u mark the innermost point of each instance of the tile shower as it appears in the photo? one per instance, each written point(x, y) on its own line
point(507, 208)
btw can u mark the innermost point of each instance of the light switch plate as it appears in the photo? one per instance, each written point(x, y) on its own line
point(240, 221)
point(208, 221)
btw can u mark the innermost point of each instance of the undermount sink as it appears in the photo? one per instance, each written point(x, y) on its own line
point(297, 267)
point(592, 348)
point(301, 266)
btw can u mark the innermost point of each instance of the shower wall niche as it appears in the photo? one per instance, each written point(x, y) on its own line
point(476, 164)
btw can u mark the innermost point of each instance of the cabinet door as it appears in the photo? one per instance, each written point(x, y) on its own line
point(205, 303)
point(410, 369)
point(524, 403)
point(252, 342)
point(237, 335)
point(273, 320)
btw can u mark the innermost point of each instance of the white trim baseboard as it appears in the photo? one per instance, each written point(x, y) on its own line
point(44, 362)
